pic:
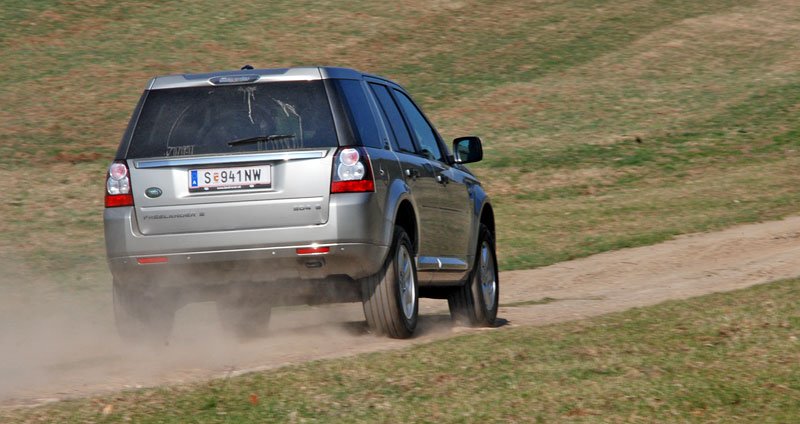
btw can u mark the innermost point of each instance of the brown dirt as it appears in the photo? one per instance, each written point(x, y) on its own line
point(74, 352)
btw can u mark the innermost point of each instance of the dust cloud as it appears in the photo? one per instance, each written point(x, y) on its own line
point(58, 343)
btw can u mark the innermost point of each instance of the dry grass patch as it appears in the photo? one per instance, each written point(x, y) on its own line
point(514, 181)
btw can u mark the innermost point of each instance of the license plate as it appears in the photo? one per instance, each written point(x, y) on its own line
point(234, 178)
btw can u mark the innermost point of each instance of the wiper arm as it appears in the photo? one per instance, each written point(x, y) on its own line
point(260, 138)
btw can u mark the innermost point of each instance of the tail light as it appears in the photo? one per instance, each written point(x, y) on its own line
point(118, 186)
point(351, 171)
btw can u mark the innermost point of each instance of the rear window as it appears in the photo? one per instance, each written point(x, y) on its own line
point(233, 119)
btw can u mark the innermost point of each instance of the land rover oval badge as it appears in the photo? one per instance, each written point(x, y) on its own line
point(153, 192)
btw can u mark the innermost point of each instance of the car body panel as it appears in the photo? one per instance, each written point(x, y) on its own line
point(253, 234)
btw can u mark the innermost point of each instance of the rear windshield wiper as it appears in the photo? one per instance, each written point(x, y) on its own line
point(260, 138)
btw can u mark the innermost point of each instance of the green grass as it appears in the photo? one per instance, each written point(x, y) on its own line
point(729, 357)
point(560, 91)
point(607, 124)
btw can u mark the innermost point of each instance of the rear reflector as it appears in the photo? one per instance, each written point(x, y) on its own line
point(312, 250)
point(116, 200)
point(352, 186)
point(152, 260)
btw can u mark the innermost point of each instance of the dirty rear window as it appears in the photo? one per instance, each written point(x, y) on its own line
point(233, 119)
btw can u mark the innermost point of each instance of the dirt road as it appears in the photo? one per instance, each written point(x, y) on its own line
point(90, 360)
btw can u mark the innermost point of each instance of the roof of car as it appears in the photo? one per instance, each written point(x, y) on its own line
point(246, 75)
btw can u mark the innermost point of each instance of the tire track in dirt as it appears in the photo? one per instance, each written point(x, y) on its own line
point(687, 266)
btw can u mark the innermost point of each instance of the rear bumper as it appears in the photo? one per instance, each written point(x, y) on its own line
point(354, 234)
point(268, 264)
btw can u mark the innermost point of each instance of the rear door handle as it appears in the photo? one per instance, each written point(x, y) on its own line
point(442, 179)
point(412, 173)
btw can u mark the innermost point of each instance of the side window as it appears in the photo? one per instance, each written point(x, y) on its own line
point(422, 130)
point(389, 132)
point(402, 139)
point(358, 110)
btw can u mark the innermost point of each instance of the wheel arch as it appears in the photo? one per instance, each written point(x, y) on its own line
point(487, 219)
point(406, 217)
point(401, 210)
point(483, 214)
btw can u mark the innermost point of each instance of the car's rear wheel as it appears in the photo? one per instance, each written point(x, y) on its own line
point(391, 297)
point(140, 314)
point(475, 303)
point(246, 317)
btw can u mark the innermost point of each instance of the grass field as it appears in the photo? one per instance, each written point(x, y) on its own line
point(607, 123)
point(730, 357)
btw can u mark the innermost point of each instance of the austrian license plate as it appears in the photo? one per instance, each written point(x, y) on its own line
point(234, 178)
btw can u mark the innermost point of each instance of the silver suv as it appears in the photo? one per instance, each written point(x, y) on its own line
point(267, 187)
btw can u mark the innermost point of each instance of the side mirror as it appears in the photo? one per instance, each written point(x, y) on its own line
point(467, 149)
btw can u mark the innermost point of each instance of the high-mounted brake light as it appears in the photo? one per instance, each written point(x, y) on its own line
point(351, 171)
point(118, 186)
point(234, 79)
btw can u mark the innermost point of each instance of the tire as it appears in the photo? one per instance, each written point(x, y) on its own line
point(141, 315)
point(475, 303)
point(245, 317)
point(391, 296)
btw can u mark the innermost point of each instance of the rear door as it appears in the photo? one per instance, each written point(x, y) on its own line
point(223, 158)
point(450, 195)
point(417, 171)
